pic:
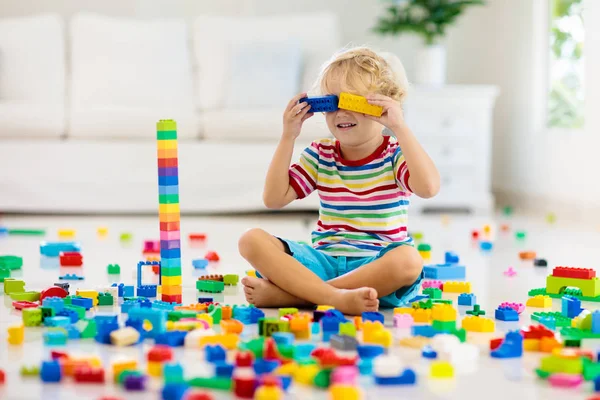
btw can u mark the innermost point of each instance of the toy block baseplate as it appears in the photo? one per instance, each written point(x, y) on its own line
point(210, 286)
point(359, 104)
point(444, 271)
point(559, 319)
point(571, 291)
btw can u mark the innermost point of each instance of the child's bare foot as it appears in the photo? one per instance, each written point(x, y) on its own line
point(263, 293)
point(356, 301)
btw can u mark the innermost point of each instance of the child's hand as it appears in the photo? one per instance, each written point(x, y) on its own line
point(392, 116)
point(294, 116)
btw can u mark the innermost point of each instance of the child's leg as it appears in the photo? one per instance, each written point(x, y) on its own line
point(397, 268)
point(266, 254)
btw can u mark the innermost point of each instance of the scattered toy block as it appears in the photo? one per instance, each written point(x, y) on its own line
point(70, 259)
point(210, 286)
point(441, 369)
point(478, 324)
point(466, 299)
point(506, 314)
point(444, 271)
point(457, 287)
point(16, 334)
point(539, 301)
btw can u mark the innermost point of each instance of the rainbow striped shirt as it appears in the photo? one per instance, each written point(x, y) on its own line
point(364, 203)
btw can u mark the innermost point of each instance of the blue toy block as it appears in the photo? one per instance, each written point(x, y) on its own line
point(262, 366)
point(72, 332)
point(171, 338)
point(303, 350)
point(597, 384)
point(158, 319)
point(128, 291)
point(163, 305)
point(570, 306)
point(223, 369)
point(174, 391)
point(104, 327)
point(106, 318)
point(214, 353)
point(128, 305)
point(329, 326)
point(336, 314)
point(71, 277)
point(365, 366)
point(596, 321)
point(71, 314)
point(467, 299)
point(418, 297)
point(168, 180)
point(82, 302)
point(51, 371)
point(170, 253)
point(428, 352)
point(3, 230)
point(247, 315)
point(315, 328)
point(451, 257)
point(424, 330)
point(283, 338)
point(549, 322)
point(205, 299)
point(119, 288)
point(146, 291)
point(506, 314)
point(140, 266)
point(168, 189)
point(53, 249)
point(200, 263)
point(57, 321)
point(173, 372)
point(372, 316)
point(327, 103)
point(444, 271)
point(511, 346)
point(170, 262)
point(370, 350)
point(408, 377)
point(57, 303)
point(486, 245)
point(55, 337)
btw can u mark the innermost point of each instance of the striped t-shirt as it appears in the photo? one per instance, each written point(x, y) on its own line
point(364, 203)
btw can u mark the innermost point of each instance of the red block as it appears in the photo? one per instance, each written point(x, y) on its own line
point(86, 374)
point(167, 162)
point(53, 291)
point(197, 236)
point(536, 332)
point(71, 259)
point(160, 353)
point(571, 272)
point(244, 359)
point(2, 377)
point(193, 395)
point(19, 305)
point(171, 298)
point(328, 358)
point(475, 234)
point(151, 246)
point(212, 256)
point(270, 352)
point(169, 226)
point(244, 387)
point(495, 343)
point(57, 355)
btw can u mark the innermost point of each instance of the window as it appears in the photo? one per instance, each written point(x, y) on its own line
point(566, 97)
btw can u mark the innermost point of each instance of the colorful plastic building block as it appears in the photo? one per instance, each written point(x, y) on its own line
point(4, 273)
point(13, 286)
point(433, 293)
point(210, 286)
point(444, 271)
point(51, 371)
point(441, 369)
point(432, 284)
point(71, 277)
point(16, 334)
point(124, 336)
point(25, 296)
point(212, 256)
point(576, 273)
point(53, 249)
point(540, 262)
point(32, 317)
point(113, 269)
point(527, 255)
point(570, 306)
point(539, 301)
point(105, 299)
point(486, 245)
point(55, 291)
point(510, 272)
point(510, 347)
point(343, 342)
point(506, 314)
point(231, 279)
point(372, 316)
point(55, 337)
point(70, 259)
point(157, 318)
point(476, 311)
point(146, 291)
point(518, 307)
point(200, 263)
point(457, 287)
point(11, 262)
point(359, 104)
point(478, 324)
point(466, 299)
point(327, 103)
point(88, 374)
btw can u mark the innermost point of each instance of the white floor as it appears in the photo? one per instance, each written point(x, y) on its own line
point(561, 244)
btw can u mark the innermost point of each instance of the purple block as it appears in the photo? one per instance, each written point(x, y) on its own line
point(168, 171)
point(170, 244)
point(134, 382)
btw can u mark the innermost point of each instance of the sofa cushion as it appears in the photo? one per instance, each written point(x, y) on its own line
point(114, 122)
point(133, 66)
point(318, 35)
point(256, 125)
point(31, 120)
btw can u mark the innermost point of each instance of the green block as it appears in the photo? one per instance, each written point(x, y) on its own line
point(591, 370)
point(268, 326)
point(589, 287)
point(87, 328)
point(4, 273)
point(322, 378)
point(125, 236)
point(210, 286)
point(572, 342)
point(25, 296)
point(306, 361)
point(578, 334)
point(255, 346)
point(105, 299)
point(231, 279)
point(424, 247)
point(27, 232)
point(287, 311)
point(347, 329)
point(442, 301)
point(114, 269)
point(216, 315)
point(68, 300)
point(212, 383)
point(32, 370)
point(542, 374)
point(417, 235)
point(536, 292)
point(13, 286)
point(507, 210)
point(461, 334)
point(181, 314)
point(433, 293)
point(11, 262)
point(554, 364)
point(78, 309)
point(31, 316)
point(422, 304)
point(47, 312)
point(560, 320)
point(166, 125)
point(520, 235)
point(286, 350)
point(168, 199)
point(172, 271)
point(444, 326)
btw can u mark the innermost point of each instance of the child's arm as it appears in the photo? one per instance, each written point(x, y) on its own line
point(278, 192)
point(424, 178)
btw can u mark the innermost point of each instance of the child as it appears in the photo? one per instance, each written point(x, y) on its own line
point(361, 253)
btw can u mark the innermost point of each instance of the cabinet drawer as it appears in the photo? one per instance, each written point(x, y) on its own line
point(451, 153)
point(458, 179)
point(442, 123)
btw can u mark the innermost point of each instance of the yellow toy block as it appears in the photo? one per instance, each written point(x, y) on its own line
point(184, 325)
point(66, 233)
point(441, 369)
point(305, 374)
point(288, 369)
point(300, 325)
point(457, 287)
point(340, 391)
point(124, 336)
point(443, 312)
point(16, 334)
point(102, 231)
point(370, 329)
point(478, 324)
point(539, 301)
point(251, 272)
point(425, 254)
point(422, 315)
point(170, 290)
point(265, 392)
point(358, 323)
point(122, 365)
point(231, 326)
point(383, 338)
point(154, 368)
point(414, 342)
point(168, 208)
point(404, 310)
point(324, 307)
point(228, 340)
point(88, 294)
point(549, 345)
point(171, 280)
point(359, 104)
point(166, 144)
point(206, 317)
point(531, 344)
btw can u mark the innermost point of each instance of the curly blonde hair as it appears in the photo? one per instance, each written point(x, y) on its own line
point(361, 70)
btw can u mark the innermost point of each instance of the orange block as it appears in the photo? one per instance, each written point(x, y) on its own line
point(358, 322)
point(171, 290)
point(167, 153)
point(226, 312)
point(169, 217)
point(527, 255)
point(548, 344)
point(231, 326)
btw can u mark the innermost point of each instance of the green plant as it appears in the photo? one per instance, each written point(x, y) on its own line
point(427, 18)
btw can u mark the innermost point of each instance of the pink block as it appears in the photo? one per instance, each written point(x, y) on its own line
point(403, 320)
point(565, 380)
point(510, 272)
point(152, 246)
point(432, 284)
point(346, 375)
point(170, 235)
point(518, 307)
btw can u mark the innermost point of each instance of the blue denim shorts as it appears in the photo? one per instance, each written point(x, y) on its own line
point(328, 267)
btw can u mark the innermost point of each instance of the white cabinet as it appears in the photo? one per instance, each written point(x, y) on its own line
point(454, 125)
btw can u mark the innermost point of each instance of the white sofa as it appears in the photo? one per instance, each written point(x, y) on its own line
point(79, 100)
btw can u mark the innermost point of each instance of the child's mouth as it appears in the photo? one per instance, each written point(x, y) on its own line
point(346, 126)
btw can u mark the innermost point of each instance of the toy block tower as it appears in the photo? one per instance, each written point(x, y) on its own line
point(168, 211)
